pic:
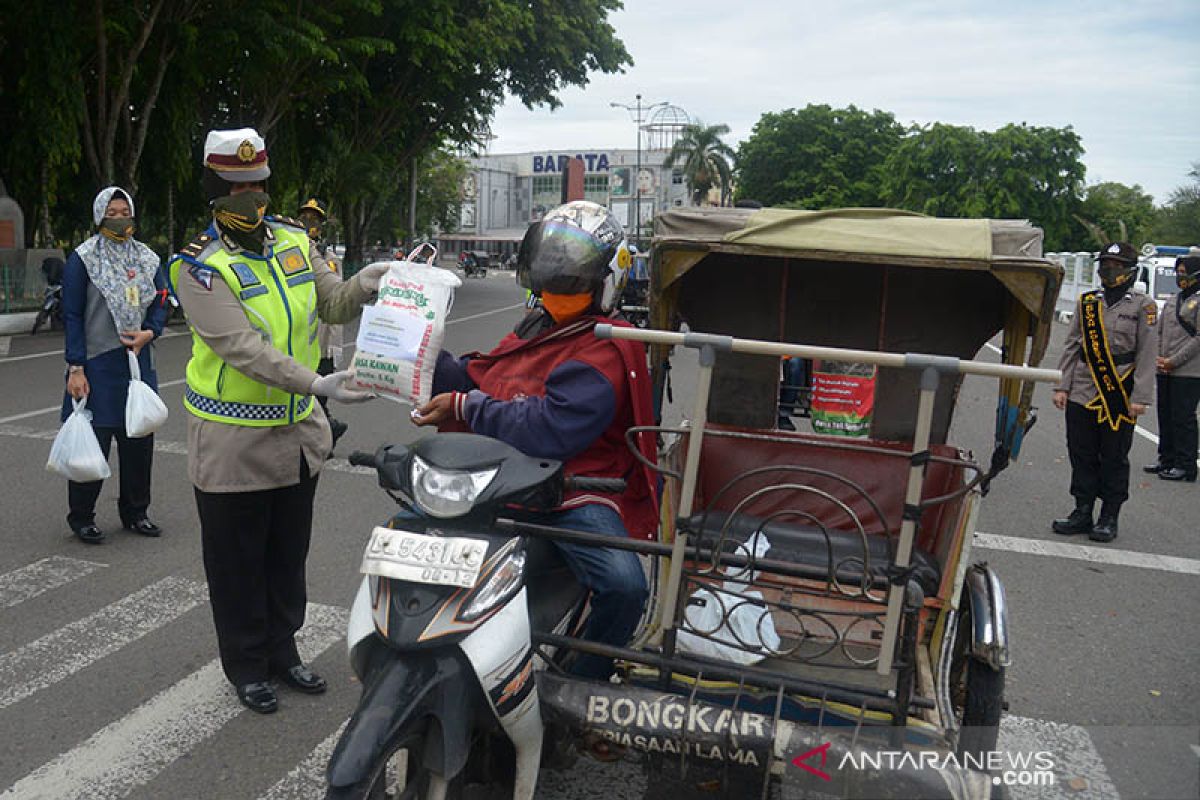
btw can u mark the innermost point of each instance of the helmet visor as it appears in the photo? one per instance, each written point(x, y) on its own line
point(560, 257)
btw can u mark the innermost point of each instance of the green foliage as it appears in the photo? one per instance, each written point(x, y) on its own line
point(705, 159)
point(1018, 171)
point(1116, 212)
point(347, 92)
point(1178, 221)
point(817, 157)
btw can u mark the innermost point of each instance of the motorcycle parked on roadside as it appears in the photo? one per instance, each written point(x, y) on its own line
point(51, 311)
point(441, 630)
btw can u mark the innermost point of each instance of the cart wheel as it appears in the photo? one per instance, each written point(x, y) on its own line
point(983, 705)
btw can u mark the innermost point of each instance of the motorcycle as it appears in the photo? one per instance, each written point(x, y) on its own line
point(441, 630)
point(51, 310)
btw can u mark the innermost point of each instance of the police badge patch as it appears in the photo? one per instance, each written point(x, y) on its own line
point(292, 261)
point(1151, 310)
point(202, 276)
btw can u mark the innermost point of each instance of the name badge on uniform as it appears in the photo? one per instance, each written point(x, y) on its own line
point(132, 295)
point(292, 261)
point(245, 275)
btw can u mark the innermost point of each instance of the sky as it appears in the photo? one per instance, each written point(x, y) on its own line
point(1125, 75)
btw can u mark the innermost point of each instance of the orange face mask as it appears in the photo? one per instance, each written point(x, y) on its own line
point(565, 307)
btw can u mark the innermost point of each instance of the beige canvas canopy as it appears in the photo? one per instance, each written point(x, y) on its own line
point(870, 278)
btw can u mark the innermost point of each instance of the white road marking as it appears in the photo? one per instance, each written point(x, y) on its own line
point(46, 353)
point(130, 752)
point(48, 409)
point(1073, 753)
point(307, 780)
point(484, 314)
point(41, 576)
point(61, 654)
point(1082, 552)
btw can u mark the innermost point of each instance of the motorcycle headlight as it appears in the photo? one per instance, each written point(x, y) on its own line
point(503, 582)
point(445, 492)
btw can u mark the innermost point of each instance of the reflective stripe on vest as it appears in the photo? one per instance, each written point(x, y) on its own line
point(278, 295)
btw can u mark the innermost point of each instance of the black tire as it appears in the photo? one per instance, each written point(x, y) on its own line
point(415, 781)
point(983, 708)
point(42, 317)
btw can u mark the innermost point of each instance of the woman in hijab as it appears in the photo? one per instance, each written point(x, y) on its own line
point(114, 302)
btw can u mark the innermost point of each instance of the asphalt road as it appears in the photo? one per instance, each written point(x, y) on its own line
point(108, 685)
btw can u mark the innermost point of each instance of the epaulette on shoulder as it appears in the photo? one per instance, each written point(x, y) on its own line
point(293, 223)
point(193, 248)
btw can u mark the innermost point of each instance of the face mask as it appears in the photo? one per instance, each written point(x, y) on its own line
point(241, 213)
point(118, 229)
point(564, 307)
point(1113, 274)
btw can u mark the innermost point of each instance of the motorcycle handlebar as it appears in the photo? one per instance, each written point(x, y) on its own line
point(360, 459)
point(606, 485)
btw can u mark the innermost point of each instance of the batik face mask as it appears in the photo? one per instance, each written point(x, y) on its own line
point(118, 229)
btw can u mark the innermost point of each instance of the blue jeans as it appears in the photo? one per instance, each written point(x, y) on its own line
point(614, 577)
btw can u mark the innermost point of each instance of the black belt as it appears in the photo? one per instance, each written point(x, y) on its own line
point(1124, 358)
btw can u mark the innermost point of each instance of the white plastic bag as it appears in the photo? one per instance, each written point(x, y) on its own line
point(76, 453)
point(145, 411)
point(734, 625)
point(399, 338)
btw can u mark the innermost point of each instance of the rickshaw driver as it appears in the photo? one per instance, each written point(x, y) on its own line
point(551, 389)
point(1108, 367)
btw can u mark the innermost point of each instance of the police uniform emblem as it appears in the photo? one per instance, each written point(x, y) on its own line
point(1151, 314)
point(1191, 304)
point(292, 261)
point(246, 151)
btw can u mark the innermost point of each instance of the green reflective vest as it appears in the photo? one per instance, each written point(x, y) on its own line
point(279, 296)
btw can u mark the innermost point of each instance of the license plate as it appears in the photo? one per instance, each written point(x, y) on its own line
point(440, 560)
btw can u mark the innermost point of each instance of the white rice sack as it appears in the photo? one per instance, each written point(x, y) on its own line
point(400, 336)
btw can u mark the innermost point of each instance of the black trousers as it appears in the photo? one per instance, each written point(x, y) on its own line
point(136, 456)
point(1177, 431)
point(255, 546)
point(1099, 458)
point(325, 367)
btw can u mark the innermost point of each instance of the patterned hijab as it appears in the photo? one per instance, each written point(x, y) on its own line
point(123, 272)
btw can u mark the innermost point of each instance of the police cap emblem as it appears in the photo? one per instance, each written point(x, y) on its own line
point(246, 151)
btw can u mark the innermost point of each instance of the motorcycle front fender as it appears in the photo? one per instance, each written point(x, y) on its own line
point(402, 690)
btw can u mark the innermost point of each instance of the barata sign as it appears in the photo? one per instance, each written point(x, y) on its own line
point(595, 162)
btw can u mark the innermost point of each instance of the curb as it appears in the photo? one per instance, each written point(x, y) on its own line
point(17, 323)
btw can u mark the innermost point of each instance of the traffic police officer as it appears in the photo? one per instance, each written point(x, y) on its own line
point(1179, 376)
point(1108, 381)
point(253, 288)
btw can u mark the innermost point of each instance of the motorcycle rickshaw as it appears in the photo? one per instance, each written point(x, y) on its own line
point(817, 626)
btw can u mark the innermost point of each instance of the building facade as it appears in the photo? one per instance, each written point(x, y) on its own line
point(504, 193)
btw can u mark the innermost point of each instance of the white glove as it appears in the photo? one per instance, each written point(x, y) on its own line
point(370, 276)
point(334, 387)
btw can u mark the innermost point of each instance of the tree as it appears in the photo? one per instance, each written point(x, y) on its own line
point(706, 160)
point(1018, 171)
point(817, 157)
point(1115, 212)
point(1178, 221)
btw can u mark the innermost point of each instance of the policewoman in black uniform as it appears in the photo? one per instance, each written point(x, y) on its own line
point(1179, 376)
point(1108, 367)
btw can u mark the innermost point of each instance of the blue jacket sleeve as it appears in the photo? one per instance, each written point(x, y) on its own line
point(450, 374)
point(577, 408)
point(74, 302)
point(156, 314)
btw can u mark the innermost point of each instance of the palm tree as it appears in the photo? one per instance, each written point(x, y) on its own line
point(706, 160)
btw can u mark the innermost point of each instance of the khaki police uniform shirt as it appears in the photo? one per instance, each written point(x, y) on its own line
point(1174, 342)
point(1129, 323)
point(238, 458)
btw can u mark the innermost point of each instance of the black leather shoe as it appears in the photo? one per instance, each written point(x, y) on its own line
point(1177, 474)
point(1105, 529)
point(1155, 468)
point(258, 697)
point(1079, 521)
point(303, 679)
point(89, 533)
point(145, 527)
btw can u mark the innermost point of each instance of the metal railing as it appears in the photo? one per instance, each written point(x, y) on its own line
point(21, 289)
